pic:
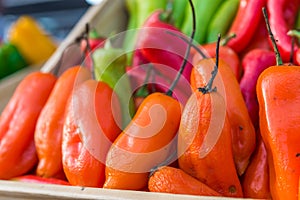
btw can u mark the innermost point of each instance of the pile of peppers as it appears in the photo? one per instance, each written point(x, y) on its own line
point(201, 98)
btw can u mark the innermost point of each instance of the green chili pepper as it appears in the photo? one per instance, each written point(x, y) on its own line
point(10, 60)
point(222, 20)
point(110, 66)
point(178, 12)
point(205, 10)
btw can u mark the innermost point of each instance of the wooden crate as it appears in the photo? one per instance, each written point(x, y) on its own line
point(106, 17)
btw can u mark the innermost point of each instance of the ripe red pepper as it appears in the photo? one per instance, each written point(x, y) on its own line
point(17, 124)
point(282, 16)
point(158, 46)
point(254, 63)
point(245, 23)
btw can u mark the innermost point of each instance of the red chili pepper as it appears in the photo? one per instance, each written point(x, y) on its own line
point(17, 124)
point(37, 179)
point(258, 40)
point(245, 23)
point(282, 16)
point(254, 63)
point(158, 46)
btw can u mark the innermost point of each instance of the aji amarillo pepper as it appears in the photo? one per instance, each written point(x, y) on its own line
point(49, 127)
point(145, 143)
point(204, 138)
point(255, 181)
point(148, 139)
point(17, 124)
point(172, 180)
point(90, 126)
point(207, 165)
point(245, 23)
point(243, 132)
point(278, 89)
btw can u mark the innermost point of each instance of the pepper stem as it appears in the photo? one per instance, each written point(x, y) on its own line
point(227, 38)
point(187, 53)
point(208, 88)
point(277, 53)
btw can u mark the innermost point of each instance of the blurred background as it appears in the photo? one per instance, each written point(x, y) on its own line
point(57, 17)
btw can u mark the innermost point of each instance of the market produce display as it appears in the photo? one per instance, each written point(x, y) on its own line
point(199, 98)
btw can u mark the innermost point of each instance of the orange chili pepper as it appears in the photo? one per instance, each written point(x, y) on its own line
point(278, 89)
point(49, 127)
point(176, 181)
point(17, 124)
point(143, 144)
point(91, 124)
point(202, 160)
point(256, 178)
point(243, 132)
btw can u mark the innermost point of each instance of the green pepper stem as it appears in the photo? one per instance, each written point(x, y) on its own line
point(227, 38)
point(208, 88)
point(187, 53)
point(277, 53)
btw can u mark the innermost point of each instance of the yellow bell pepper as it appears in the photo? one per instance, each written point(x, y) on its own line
point(31, 40)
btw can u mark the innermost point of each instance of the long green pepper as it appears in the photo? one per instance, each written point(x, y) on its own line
point(222, 20)
point(205, 10)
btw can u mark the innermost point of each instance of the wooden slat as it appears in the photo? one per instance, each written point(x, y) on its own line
point(20, 190)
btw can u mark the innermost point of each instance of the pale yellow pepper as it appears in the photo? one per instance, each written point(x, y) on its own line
point(31, 40)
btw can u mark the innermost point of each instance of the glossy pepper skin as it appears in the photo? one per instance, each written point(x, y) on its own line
point(282, 17)
point(144, 144)
point(255, 182)
point(17, 124)
point(90, 127)
point(165, 50)
point(278, 90)
point(245, 23)
point(10, 59)
point(49, 127)
point(26, 33)
point(254, 63)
